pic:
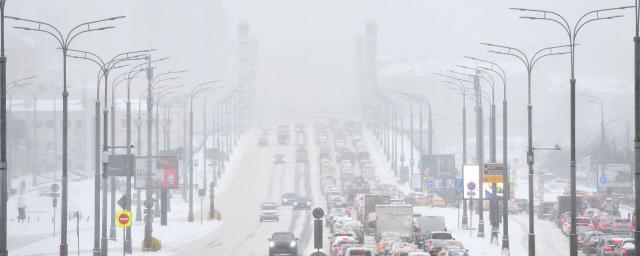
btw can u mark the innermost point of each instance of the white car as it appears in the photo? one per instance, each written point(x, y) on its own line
point(269, 211)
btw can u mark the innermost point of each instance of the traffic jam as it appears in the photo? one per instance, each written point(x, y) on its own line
point(603, 228)
point(369, 216)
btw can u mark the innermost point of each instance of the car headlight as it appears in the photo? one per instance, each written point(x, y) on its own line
point(284, 200)
point(272, 244)
point(293, 244)
point(295, 203)
point(308, 203)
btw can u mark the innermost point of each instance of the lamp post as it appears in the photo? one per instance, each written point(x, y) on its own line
point(105, 67)
point(4, 176)
point(598, 102)
point(505, 165)
point(529, 64)
point(65, 43)
point(636, 140)
point(463, 92)
point(572, 33)
point(200, 88)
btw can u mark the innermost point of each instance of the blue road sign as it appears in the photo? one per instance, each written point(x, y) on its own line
point(429, 183)
point(603, 180)
point(458, 182)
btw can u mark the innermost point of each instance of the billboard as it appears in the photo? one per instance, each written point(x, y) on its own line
point(615, 174)
point(119, 165)
point(164, 172)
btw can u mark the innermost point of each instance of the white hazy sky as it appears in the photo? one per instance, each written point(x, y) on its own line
point(307, 54)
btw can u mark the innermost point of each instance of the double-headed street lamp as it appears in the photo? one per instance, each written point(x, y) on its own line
point(65, 43)
point(572, 33)
point(598, 102)
point(198, 89)
point(506, 184)
point(529, 64)
point(105, 67)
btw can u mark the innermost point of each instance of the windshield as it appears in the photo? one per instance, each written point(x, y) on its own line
point(268, 207)
point(441, 236)
point(282, 237)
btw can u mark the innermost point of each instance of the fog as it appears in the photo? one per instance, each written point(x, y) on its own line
point(305, 61)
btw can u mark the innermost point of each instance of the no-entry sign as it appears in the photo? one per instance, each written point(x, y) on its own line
point(123, 219)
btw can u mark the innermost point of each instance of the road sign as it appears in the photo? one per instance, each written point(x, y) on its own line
point(429, 183)
point(458, 182)
point(603, 180)
point(123, 219)
point(493, 173)
point(318, 213)
point(123, 202)
point(55, 187)
point(471, 186)
point(493, 179)
point(119, 165)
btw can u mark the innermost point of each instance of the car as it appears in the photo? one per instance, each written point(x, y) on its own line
point(452, 248)
point(545, 210)
point(436, 241)
point(627, 248)
point(590, 242)
point(278, 159)
point(269, 211)
point(263, 141)
point(607, 244)
point(302, 203)
point(457, 252)
point(359, 251)
point(612, 225)
point(283, 243)
point(437, 201)
point(288, 198)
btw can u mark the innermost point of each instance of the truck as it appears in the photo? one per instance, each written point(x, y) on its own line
point(564, 205)
point(396, 219)
point(370, 202)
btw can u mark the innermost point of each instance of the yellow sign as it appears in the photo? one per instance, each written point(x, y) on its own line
point(493, 179)
point(123, 219)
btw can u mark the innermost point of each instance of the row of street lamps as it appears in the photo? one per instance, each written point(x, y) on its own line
point(486, 71)
point(102, 153)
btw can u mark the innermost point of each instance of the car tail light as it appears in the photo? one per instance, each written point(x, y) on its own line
point(608, 248)
point(615, 225)
point(591, 227)
point(629, 226)
point(624, 252)
point(433, 250)
point(430, 242)
point(601, 226)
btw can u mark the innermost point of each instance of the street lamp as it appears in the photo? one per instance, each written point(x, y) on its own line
point(597, 101)
point(105, 67)
point(197, 89)
point(572, 33)
point(529, 64)
point(505, 165)
point(65, 43)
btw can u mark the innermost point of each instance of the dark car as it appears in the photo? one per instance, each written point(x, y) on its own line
point(589, 241)
point(263, 142)
point(545, 210)
point(283, 243)
point(278, 159)
point(607, 244)
point(289, 198)
point(302, 203)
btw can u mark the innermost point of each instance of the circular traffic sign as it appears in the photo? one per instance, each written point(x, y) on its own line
point(318, 213)
point(124, 218)
point(55, 187)
point(471, 186)
point(148, 203)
